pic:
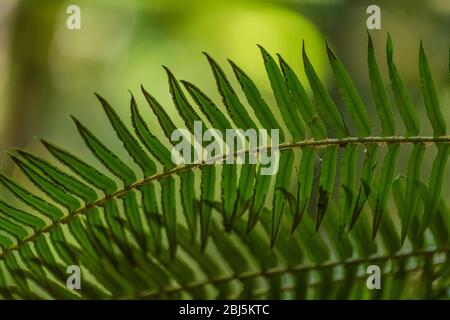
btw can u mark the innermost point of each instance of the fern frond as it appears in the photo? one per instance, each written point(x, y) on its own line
point(206, 230)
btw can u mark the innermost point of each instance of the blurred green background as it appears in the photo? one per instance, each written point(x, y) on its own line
point(48, 72)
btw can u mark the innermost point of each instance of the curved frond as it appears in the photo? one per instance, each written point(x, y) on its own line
point(337, 200)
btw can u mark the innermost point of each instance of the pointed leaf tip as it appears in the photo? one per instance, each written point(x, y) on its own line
point(208, 56)
point(389, 48)
point(77, 122)
point(264, 52)
point(369, 40)
point(280, 58)
point(234, 66)
point(330, 52)
point(101, 99)
point(304, 54)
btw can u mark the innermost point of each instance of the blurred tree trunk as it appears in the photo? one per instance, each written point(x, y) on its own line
point(29, 81)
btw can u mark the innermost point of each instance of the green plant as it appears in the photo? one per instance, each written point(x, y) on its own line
point(308, 232)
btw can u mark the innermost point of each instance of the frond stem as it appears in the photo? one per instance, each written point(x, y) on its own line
point(181, 168)
point(295, 269)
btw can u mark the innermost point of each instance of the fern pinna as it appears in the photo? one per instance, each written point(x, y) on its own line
point(337, 204)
